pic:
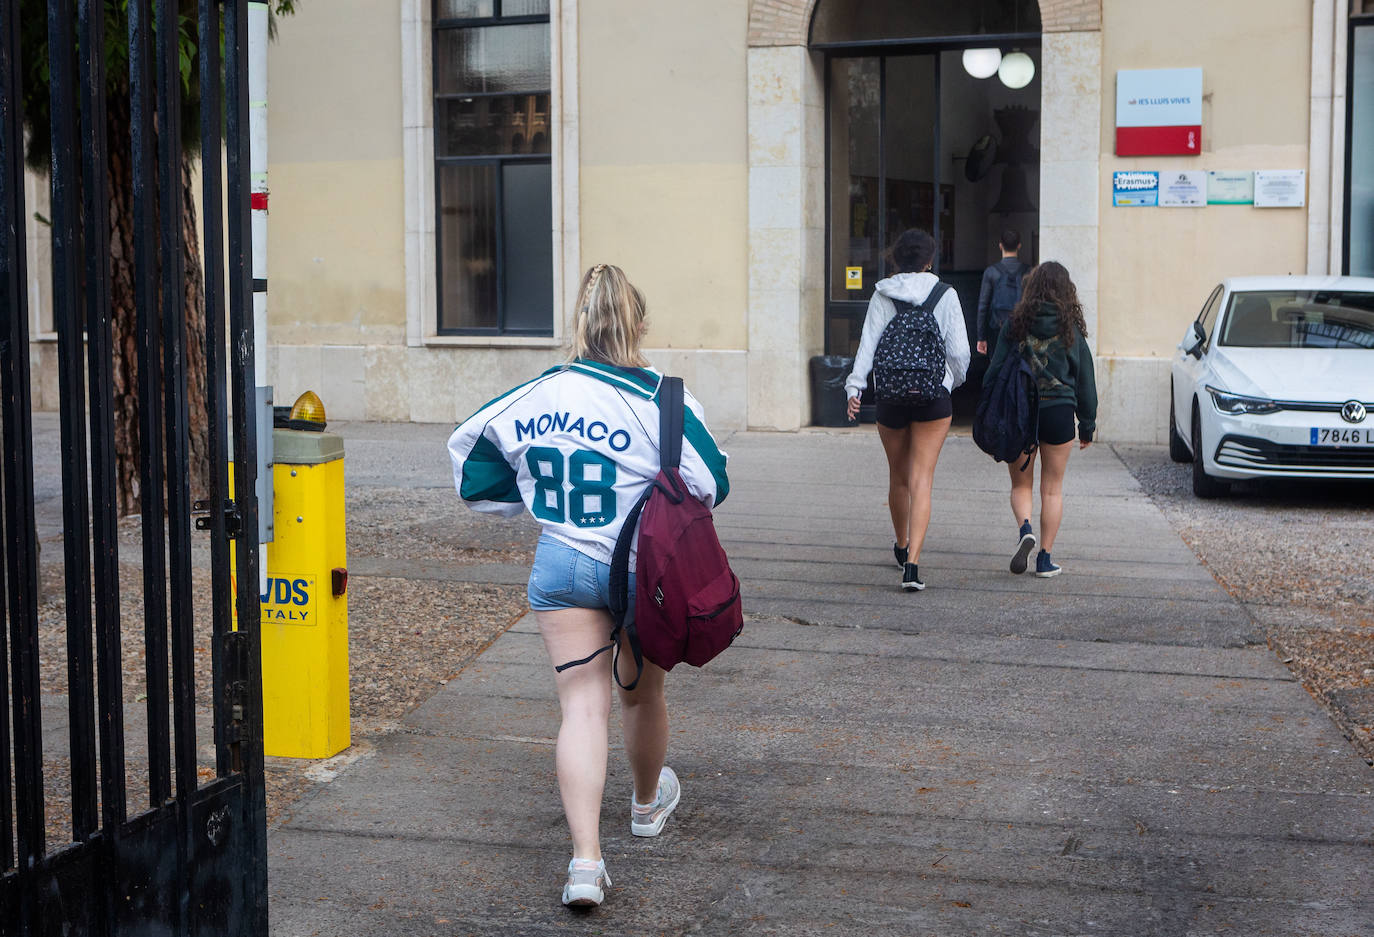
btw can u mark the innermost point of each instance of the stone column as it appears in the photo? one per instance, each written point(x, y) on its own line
point(1070, 141)
point(786, 232)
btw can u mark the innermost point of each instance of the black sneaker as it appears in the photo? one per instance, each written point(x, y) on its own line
point(900, 553)
point(911, 579)
point(1023, 549)
point(1046, 567)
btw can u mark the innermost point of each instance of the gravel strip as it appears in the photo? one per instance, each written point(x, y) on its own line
point(1299, 555)
point(406, 638)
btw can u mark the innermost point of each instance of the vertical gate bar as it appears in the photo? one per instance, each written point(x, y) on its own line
point(178, 477)
point(13, 293)
point(216, 401)
point(174, 395)
point(141, 85)
point(248, 659)
point(6, 789)
point(66, 308)
point(99, 344)
point(17, 460)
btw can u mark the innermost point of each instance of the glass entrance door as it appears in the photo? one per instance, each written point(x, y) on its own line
point(882, 177)
point(913, 140)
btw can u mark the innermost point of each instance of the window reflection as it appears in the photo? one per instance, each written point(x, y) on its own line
point(491, 125)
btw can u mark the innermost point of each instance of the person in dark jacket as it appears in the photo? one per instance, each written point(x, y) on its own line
point(999, 292)
point(1047, 328)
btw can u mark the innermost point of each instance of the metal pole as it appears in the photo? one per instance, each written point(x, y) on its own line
point(257, 169)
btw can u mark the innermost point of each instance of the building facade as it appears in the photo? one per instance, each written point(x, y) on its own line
point(442, 171)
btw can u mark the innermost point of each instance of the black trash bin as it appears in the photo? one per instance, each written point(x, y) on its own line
point(827, 390)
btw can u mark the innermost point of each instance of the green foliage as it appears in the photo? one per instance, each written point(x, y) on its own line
point(33, 29)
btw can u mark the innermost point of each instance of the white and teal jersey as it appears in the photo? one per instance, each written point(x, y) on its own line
point(577, 446)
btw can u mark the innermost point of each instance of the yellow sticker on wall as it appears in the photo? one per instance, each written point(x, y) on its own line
point(853, 278)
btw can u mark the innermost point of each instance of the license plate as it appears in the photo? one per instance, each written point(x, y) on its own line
point(1342, 437)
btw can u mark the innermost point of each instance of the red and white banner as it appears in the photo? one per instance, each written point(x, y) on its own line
point(1159, 112)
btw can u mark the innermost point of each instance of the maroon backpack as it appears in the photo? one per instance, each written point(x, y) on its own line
point(687, 601)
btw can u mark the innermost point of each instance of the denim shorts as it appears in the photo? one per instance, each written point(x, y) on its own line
point(566, 578)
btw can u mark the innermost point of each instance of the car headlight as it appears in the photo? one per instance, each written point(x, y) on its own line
point(1237, 404)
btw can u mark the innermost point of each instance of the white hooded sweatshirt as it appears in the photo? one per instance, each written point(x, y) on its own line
point(912, 288)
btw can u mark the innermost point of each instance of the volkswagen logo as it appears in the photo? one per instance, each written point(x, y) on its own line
point(1352, 411)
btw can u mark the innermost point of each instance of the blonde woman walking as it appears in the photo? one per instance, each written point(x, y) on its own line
point(576, 447)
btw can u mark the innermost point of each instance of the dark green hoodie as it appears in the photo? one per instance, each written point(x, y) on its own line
point(1065, 375)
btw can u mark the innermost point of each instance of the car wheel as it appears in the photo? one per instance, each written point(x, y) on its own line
point(1204, 485)
point(1178, 449)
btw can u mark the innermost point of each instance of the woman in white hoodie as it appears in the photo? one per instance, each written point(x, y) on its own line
point(911, 424)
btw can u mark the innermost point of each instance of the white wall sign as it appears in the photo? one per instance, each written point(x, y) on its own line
point(1183, 189)
point(1230, 188)
point(1159, 112)
point(1280, 188)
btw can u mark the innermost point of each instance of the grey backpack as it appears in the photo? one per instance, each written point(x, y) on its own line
point(909, 362)
point(1006, 292)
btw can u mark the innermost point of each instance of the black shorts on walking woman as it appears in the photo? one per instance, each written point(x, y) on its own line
point(902, 415)
point(912, 434)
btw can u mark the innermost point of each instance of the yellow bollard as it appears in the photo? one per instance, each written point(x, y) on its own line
point(305, 607)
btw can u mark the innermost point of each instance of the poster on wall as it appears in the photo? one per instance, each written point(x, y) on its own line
point(1230, 188)
point(1159, 112)
point(1135, 189)
point(1185, 189)
point(1280, 188)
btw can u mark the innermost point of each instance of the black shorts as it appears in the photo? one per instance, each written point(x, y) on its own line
point(902, 415)
point(1056, 424)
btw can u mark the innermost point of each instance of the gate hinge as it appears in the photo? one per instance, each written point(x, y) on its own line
point(233, 522)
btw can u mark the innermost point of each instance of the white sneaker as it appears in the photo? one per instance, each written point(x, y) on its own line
point(648, 820)
point(587, 883)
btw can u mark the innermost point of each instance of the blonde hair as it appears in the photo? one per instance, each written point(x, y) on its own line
point(610, 316)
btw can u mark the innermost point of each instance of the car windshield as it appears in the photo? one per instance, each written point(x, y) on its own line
point(1300, 319)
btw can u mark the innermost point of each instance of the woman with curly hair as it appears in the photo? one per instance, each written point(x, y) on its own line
point(1047, 329)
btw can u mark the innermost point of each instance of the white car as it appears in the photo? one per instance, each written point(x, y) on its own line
point(1275, 378)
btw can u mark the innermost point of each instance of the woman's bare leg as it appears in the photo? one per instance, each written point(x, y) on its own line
point(644, 713)
point(1022, 487)
point(1053, 461)
point(926, 441)
point(584, 694)
point(897, 447)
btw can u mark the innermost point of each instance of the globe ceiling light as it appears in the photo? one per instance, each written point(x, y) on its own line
point(982, 63)
point(1016, 70)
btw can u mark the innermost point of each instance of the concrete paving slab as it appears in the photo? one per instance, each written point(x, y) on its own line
point(1106, 753)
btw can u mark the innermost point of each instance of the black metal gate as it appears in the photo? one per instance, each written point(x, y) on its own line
point(180, 851)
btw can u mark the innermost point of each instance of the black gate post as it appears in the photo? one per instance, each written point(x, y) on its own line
point(247, 657)
point(192, 859)
point(16, 462)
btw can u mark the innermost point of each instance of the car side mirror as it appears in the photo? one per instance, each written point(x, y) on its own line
point(1192, 342)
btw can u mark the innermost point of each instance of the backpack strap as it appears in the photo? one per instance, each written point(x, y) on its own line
point(671, 420)
point(936, 294)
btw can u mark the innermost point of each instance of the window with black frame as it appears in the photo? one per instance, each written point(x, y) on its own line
point(493, 177)
point(1358, 248)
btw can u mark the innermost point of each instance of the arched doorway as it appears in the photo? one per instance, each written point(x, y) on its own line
point(921, 134)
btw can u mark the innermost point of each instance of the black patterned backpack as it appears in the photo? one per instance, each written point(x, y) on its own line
point(909, 362)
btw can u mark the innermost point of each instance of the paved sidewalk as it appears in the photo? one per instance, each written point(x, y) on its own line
point(1105, 753)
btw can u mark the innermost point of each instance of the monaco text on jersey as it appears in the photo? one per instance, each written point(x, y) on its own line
point(595, 431)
